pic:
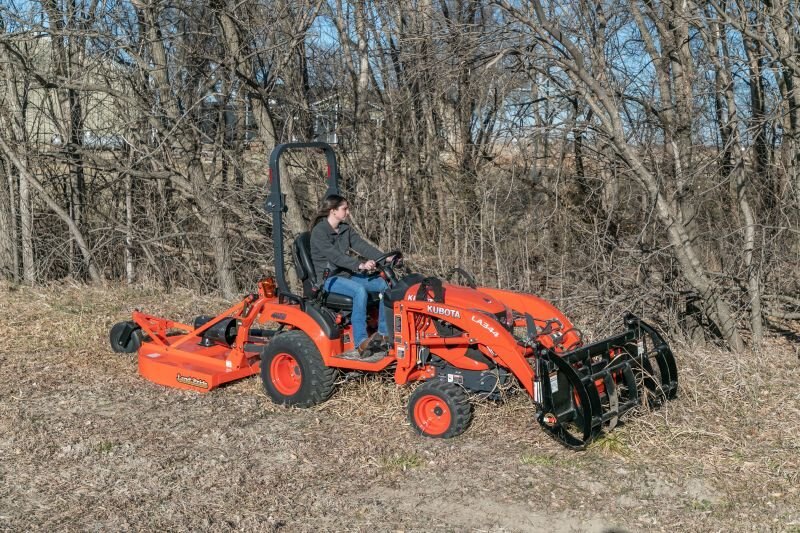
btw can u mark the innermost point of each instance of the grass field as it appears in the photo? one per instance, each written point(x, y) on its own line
point(86, 444)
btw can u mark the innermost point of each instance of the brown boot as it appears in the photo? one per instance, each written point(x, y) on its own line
point(379, 343)
point(365, 351)
point(369, 342)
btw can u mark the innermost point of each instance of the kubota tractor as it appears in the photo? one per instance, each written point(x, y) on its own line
point(460, 342)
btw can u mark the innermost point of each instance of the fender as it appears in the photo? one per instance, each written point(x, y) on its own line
point(291, 315)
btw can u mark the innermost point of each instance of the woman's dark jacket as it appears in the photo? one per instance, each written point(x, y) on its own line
point(329, 249)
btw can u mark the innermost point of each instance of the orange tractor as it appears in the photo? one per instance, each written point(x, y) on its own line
point(460, 342)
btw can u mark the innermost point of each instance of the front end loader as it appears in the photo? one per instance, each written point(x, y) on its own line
point(481, 338)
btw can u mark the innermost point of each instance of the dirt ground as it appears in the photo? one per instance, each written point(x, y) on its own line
point(86, 444)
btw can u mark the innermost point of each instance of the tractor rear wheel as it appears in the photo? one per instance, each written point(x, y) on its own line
point(293, 373)
point(439, 410)
point(134, 341)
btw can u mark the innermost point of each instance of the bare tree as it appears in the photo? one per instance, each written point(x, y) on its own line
point(573, 149)
point(672, 208)
point(14, 119)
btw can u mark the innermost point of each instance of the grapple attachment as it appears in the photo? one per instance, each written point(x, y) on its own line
point(584, 392)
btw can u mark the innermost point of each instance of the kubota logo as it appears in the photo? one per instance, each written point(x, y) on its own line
point(452, 313)
point(488, 327)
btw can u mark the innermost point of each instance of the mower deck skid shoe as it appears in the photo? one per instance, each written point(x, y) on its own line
point(586, 391)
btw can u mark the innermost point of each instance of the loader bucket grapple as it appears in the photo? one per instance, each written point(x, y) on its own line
point(458, 343)
point(585, 391)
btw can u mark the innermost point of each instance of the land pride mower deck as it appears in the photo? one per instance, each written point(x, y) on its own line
point(459, 341)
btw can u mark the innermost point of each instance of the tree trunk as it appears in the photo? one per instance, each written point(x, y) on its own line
point(25, 223)
point(715, 307)
point(241, 60)
point(130, 272)
point(222, 256)
point(733, 161)
point(205, 196)
point(7, 234)
point(17, 103)
point(28, 177)
point(65, 44)
point(751, 271)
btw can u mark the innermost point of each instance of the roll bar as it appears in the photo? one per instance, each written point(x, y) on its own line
point(276, 203)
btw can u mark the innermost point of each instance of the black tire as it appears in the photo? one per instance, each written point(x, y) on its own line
point(293, 373)
point(439, 410)
point(134, 341)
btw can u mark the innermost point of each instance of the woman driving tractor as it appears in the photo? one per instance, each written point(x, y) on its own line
point(331, 240)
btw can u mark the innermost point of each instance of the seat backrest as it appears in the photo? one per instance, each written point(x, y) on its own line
point(301, 250)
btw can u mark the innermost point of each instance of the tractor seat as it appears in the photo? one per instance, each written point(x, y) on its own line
point(301, 249)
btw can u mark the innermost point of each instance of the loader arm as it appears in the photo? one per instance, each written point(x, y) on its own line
point(478, 329)
point(555, 330)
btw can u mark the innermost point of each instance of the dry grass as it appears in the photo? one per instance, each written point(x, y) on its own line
point(88, 445)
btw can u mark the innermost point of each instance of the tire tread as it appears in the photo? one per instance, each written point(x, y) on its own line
point(318, 379)
point(455, 397)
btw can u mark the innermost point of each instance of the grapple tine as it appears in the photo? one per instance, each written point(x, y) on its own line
point(566, 419)
point(630, 383)
point(663, 355)
point(672, 372)
point(613, 401)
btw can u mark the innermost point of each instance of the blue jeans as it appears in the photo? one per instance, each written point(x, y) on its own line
point(357, 288)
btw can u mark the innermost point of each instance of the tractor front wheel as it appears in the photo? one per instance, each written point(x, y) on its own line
point(293, 373)
point(439, 410)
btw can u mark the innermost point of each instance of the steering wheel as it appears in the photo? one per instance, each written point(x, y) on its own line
point(386, 268)
point(396, 256)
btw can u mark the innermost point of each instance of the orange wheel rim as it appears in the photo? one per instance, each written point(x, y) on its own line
point(285, 374)
point(432, 415)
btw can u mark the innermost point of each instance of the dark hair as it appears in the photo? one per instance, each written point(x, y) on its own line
point(334, 201)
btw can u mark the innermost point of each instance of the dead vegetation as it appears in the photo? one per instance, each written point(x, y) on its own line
point(88, 445)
